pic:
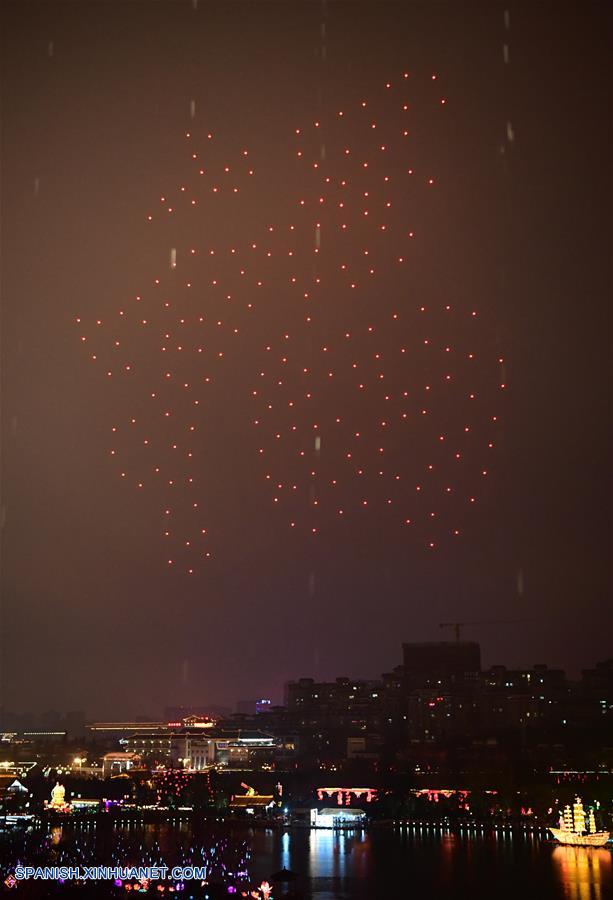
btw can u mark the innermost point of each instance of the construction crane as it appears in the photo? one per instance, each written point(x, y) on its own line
point(457, 626)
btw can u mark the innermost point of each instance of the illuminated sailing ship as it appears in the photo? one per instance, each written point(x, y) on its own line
point(578, 829)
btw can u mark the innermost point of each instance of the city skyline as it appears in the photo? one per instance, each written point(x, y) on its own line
point(259, 704)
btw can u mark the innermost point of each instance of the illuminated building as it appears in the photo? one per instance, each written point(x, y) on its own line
point(118, 763)
point(434, 794)
point(192, 751)
point(232, 750)
point(328, 714)
point(194, 721)
point(344, 796)
point(152, 746)
point(16, 769)
point(12, 792)
point(82, 804)
point(436, 712)
point(124, 729)
point(251, 800)
point(46, 736)
point(490, 702)
point(344, 702)
point(149, 740)
point(515, 698)
point(337, 817)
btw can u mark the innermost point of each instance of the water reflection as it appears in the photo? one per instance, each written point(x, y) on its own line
point(285, 854)
point(443, 864)
point(422, 862)
point(582, 871)
point(327, 854)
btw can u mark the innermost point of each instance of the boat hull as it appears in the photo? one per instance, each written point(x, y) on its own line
point(597, 839)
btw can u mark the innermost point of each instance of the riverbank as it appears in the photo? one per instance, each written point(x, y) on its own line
point(141, 817)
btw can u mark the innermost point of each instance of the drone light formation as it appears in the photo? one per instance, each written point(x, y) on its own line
point(366, 402)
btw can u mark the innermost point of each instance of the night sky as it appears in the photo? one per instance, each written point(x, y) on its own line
point(481, 234)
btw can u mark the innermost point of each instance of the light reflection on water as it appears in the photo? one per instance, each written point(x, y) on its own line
point(583, 871)
point(440, 864)
point(424, 863)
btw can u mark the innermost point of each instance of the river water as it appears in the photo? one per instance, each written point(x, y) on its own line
point(435, 864)
point(404, 862)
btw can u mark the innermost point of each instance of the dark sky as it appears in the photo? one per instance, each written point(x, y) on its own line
point(95, 107)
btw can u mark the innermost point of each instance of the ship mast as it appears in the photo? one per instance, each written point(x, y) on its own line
point(592, 822)
point(567, 819)
point(578, 816)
